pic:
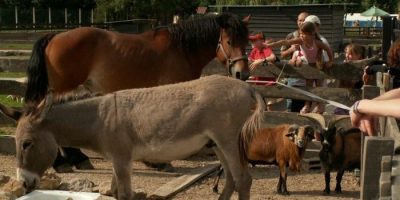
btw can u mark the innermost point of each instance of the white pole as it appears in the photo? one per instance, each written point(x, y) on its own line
point(16, 16)
point(80, 16)
point(49, 16)
point(66, 17)
point(92, 17)
point(33, 17)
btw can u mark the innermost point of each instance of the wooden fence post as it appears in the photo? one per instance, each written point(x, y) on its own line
point(373, 150)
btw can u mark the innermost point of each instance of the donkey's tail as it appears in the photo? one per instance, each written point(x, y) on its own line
point(251, 126)
point(38, 81)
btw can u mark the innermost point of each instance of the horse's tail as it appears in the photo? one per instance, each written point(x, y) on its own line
point(38, 81)
point(251, 126)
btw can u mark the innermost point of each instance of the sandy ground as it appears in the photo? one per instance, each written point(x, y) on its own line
point(303, 185)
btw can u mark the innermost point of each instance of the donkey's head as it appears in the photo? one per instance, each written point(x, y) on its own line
point(36, 147)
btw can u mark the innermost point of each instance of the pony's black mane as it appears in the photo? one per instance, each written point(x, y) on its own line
point(192, 35)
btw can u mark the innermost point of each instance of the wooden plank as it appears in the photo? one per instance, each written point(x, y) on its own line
point(342, 95)
point(392, 130)
point(6, 121)
point(12, 86)
point(180, 183)
point(275, 118)
point(344, 71)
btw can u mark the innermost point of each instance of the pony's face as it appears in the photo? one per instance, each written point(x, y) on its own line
point(36, 151)
point(231, 49)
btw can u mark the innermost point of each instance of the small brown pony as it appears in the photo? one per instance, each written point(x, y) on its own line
point(146, 125)
point(107, 61)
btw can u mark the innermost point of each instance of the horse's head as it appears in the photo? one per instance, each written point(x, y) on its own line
point(232, 45)
point(36, 147)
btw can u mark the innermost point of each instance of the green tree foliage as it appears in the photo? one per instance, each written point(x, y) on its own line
point(162, 10)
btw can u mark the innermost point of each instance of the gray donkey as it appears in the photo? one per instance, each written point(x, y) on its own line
point(157, 124)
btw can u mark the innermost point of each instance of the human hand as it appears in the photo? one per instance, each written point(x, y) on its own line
point(255, 64)
point(365, 76)
point(366, 123)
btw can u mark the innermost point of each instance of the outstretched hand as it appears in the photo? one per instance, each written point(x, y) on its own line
point(255, 64)
point(366, 123)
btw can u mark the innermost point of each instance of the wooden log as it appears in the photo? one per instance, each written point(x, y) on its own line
point(180, 183)
point(6, 121)
point(12, 86)
point(341, 71)
point(342, 95)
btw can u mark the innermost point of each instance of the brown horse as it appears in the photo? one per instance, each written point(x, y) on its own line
point(156, 124)
point(108, 61)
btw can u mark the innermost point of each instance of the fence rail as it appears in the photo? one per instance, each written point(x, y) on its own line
point(363, 32)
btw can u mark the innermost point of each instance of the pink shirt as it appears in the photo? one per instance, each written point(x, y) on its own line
point(256, 53)
point(310, 53)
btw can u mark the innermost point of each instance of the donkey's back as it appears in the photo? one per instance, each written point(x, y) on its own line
point(174, 121)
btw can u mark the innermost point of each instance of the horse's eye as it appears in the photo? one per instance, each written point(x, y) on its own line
point(26, 144)
point(229, 42)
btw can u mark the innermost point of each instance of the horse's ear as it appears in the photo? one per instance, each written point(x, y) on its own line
point(246, 19)
point(11, 112)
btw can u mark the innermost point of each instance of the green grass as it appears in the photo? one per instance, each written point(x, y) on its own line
point(12, 74)
point(3, 132)
point(9, 102)
point(16, 46)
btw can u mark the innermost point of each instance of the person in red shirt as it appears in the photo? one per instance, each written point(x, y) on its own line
point(260, 54)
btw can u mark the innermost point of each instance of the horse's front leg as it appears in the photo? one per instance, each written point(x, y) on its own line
point(121, 182)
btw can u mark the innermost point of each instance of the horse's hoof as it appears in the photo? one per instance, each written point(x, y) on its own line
point(167, 168)
point(327, 192)
point(84, 165)
point(215, 190)
point(164, 167)
point(285, 193)
point(139, 195)
point(64, 168)
point(338, 191)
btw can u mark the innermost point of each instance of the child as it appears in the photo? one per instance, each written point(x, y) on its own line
point(352, 52)
point(260, 54)
point(310, 46)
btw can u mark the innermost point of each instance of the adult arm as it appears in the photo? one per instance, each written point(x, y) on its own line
point(284, 42)
point(381, 107)
point(288, 51)
point(390, 95)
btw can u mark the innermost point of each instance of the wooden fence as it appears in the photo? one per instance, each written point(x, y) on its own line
point(374, 147)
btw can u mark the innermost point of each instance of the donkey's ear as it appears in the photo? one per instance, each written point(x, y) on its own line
point(44, 106)
point(246, 19)
point(11, 112)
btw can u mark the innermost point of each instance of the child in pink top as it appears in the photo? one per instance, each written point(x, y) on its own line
point(309, 52)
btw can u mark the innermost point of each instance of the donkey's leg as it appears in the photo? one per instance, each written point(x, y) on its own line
point(122, 178)
point(229, 183)
point(240, 173)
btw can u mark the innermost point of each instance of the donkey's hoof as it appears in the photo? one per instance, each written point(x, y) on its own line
point(64, 168)
point(84, 165)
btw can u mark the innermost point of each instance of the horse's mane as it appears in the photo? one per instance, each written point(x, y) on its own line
point(193, 34)
point(75, 95)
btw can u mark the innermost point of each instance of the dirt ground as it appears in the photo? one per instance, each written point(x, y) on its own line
point(303, 185)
